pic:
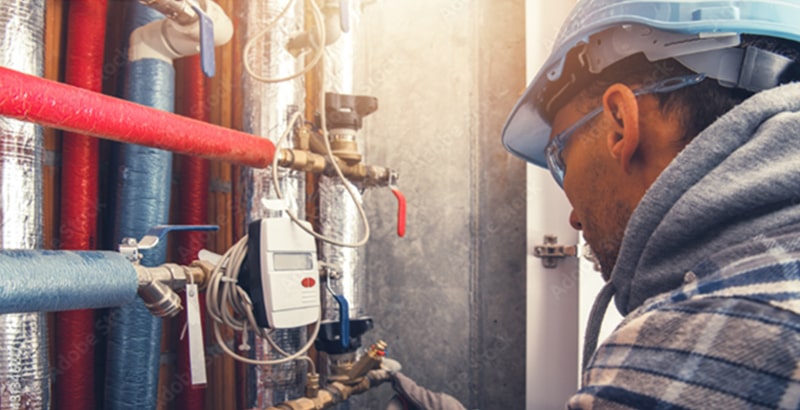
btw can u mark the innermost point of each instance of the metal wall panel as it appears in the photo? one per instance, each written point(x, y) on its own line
point(450, 297)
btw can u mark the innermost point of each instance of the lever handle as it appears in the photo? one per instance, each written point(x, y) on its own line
point(401, 212)
point(158, 232)
point(207, 61)
point(344, 320)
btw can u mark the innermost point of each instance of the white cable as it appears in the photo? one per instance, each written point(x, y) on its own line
point(331, 158)
point(319, 22)
point(299, 355)
point(345, 182)
point(228, 304)
point(350, 191)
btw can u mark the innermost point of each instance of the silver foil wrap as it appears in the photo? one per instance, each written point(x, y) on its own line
point(24, 370)
point(267, 108)
point(339, 218)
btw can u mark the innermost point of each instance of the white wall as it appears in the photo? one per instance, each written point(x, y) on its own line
point(449, 298)
point(552, 294)
point(558, 300)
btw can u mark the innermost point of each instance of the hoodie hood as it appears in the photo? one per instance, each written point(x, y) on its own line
point(737, 179)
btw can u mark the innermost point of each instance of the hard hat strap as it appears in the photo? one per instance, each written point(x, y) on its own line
point(750, 68)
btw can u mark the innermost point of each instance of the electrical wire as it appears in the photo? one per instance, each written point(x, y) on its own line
point(341, 176)
point(320, 26)
point(319, 23)
point(228, 304)
point(345, 182)
point(331, 158)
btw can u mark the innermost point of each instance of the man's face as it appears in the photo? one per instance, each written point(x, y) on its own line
point(592, 185)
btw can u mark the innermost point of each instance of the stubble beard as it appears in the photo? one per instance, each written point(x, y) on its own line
point(606, 245)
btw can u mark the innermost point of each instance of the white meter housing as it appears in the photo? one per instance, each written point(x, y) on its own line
point(283, 278)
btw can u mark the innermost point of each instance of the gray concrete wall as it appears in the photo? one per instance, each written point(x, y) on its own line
point(450, 297)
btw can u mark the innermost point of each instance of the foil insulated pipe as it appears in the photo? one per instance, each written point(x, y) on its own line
point(267, 108)
point(339, 218)
point(24, 367)
point(69, 108)
point(338, 214)
point(86, 33)
point(142, 201)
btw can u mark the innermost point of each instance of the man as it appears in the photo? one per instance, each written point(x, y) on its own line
point(674, 129)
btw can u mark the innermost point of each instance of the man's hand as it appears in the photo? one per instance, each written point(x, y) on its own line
point(411, 396)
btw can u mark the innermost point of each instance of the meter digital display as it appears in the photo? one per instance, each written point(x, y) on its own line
point(292, 261)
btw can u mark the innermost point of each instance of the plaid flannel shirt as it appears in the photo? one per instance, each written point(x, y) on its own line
point(728, 339)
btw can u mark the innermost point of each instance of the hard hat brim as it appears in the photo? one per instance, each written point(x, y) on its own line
point(526, 131)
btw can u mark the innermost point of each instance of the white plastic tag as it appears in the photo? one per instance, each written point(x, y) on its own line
point(197, 354)
point(208, 256)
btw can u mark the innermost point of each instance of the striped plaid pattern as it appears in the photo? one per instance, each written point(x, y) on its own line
point(728, 339)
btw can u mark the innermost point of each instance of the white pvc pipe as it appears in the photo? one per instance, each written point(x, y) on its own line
point(167, 40)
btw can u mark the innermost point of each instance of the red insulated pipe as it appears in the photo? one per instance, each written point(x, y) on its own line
point(193, 194)
point(74, 330)
point(57, 105)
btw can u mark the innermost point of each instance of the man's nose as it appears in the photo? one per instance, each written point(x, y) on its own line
point(573, 220)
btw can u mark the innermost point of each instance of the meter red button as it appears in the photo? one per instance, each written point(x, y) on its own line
point(308, 282)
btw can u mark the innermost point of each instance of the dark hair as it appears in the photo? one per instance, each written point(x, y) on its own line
point(700, 105)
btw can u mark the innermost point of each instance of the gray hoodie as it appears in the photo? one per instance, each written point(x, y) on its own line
point(733, 186)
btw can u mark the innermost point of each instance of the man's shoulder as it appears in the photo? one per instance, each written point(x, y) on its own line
point(729, 336)
point(732, 351)
point(764, 269)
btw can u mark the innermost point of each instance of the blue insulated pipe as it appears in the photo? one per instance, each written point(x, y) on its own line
point(142, 201)
point(49, 281)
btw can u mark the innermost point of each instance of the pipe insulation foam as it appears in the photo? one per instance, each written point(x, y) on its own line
point(49, 281)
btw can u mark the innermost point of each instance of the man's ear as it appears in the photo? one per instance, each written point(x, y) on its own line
point(621, 110)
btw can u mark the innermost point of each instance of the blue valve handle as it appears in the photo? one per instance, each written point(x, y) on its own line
point(344, 15)
point(344, 316)
point(206, 42)
point(344, 320)
point(158, 232)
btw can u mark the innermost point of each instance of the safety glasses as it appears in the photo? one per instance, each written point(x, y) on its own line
point(556, 145)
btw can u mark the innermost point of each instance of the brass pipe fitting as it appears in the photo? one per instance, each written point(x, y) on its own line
point(344, 145)
point(300, 160)
point(156, 294)
point(303, 138)
point(158, 283)
point(306, 161)
point(340, 365)
point(312, 385)
point(370, 361)
point(335, 393)
point(316, 143)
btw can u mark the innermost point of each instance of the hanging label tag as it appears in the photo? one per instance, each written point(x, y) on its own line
point(207, 62)
point(197, 354)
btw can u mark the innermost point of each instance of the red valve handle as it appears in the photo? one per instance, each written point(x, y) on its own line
point(401, 212)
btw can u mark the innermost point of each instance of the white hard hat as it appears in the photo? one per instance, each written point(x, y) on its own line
point(701, 35)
